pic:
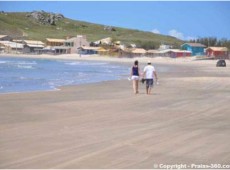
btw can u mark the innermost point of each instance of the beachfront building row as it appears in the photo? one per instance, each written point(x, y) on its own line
point(72, 45)
point(54, 46)
point(137, 52)
point(187, 49)
point(194, 49)
point(198, 49)
point(11, 47)
point(80, 45)
point(21, 46)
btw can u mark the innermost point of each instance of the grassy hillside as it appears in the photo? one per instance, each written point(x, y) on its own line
point(18, 25)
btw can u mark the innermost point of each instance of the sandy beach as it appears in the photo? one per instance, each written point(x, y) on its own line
point(104, 125)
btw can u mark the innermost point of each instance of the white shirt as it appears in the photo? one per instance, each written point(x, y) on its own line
point(149, 69)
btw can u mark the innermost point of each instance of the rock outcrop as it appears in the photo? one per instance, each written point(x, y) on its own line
point(109, 28)
point(45, 18)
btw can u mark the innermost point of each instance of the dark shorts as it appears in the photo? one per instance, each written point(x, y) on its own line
point(149, 82)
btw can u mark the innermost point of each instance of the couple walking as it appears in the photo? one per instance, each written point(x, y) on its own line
point(149, 75)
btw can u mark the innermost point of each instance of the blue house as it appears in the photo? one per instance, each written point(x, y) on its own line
point(195, 48)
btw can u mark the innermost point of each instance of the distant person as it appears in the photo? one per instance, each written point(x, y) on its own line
point(135, 73)
point(150, 76)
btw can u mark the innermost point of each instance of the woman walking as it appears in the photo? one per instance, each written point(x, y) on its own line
point(135, 73)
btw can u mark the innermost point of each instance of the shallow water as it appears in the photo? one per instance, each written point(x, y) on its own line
point(24, 75)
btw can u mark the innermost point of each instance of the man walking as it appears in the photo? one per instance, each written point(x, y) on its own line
point(149, 74)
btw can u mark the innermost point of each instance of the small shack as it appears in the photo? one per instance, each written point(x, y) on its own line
point(153, 53)
point(92, 50)
point(88, 50)
point(5, 38)
point(32, 46)
point(11, 47)
point(132, 52)
point(138, 52)
point(217, 52)
point(175, 53)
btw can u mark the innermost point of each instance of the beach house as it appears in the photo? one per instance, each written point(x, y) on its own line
point(88, 50)
point(194, 48)
point(138, 52)
point(175, 53)
point(54, 42)
point(152, 53)
point(104, 41)
point(55, 46)
point(32, 46)
point(5, 38)
point(92, 50)
point(217, 52)
point(132, 52)
point(76, 42)
point(11, 47)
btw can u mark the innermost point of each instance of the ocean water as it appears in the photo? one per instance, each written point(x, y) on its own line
point(26, 75)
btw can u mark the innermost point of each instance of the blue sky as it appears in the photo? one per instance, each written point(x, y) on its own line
point(182, 19)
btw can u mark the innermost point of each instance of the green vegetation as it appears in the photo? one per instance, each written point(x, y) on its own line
point(18, 25)
point(213, 42)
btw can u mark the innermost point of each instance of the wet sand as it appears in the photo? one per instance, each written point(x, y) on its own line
point(104, 125)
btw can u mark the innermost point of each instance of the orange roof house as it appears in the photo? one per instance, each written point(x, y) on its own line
point(54, 42)
point(217, 52)
point(132, 52)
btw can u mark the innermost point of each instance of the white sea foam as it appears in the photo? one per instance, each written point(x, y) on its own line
point(86, 63)
point(27, 63)
point(22, 78)
point(3, 62)
point(25, 67)
point(39, 75)
point(73, 63)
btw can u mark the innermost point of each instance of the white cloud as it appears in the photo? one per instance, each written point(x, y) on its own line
point(190, 38)
point(175, 33)
point(156, 31)
point(180, 35)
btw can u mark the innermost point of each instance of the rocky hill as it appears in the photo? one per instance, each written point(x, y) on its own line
point(45, 18)
point(40, 25)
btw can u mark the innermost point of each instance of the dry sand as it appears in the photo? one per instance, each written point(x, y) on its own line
point(104, 125)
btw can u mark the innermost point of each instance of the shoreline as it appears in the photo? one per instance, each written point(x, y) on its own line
point(157, 61)
point(56, 86)
point(96, 57)
point(35, 91)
